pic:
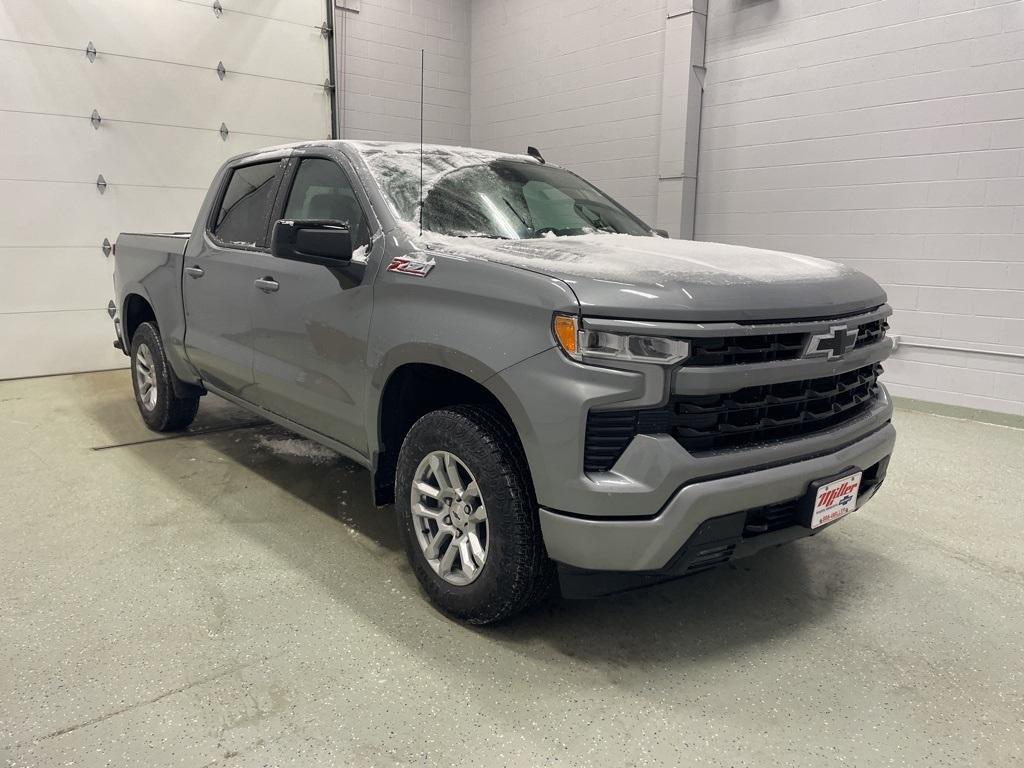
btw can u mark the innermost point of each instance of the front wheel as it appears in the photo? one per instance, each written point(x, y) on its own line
point(467, 516)
point(161, 408)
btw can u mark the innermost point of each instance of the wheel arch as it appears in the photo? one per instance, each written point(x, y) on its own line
point(411, 390)
point(135, 310)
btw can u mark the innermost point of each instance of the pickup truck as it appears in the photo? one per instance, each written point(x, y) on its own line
point(551, 393)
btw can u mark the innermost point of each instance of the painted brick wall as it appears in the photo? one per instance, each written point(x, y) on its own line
point(887, 135)
point(579, 79)
point(378, 44)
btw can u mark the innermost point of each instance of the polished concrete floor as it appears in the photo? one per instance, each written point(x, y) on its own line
point(233, 598)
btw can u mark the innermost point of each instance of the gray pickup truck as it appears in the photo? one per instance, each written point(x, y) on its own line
point(549, 391)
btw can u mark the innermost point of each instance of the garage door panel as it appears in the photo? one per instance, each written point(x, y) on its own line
point(41, 343)
point(294, 11)
point(150, 92)
point(41, 147)
point(59, 214)
point(51, 279)
point(189, 34)
point(158, 145)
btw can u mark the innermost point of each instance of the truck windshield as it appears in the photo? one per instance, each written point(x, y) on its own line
point(518, 200)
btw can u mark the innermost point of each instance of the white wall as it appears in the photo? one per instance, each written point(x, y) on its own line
point(155, 85)
point(379, 44)
point(578, 79)
point(887, 135)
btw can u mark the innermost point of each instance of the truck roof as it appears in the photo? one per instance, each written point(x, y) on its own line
point(397, 166)
point(470, 155)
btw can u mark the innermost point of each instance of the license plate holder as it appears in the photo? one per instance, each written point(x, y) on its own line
point(831, 498)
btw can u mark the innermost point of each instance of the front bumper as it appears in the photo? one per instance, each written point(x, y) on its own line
point(705, 522)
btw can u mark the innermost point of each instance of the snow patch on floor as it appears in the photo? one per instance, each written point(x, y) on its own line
point(297, 448)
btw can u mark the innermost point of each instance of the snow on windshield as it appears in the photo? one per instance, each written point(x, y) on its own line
point(396, 168)
point(615, 257)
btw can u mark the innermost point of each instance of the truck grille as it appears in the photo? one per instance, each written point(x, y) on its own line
point(750, 416)
point(771, 412)
point(767, 348)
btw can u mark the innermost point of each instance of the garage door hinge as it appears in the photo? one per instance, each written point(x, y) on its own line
point(328, 86)
point(90, 52)
point(325, 30)
point(106, 246)
point(218, 9)
point(95, 119)
point(101, 184)
point(224, 131)
point(221, 71)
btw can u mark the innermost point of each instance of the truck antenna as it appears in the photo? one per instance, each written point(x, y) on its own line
point(422, 59)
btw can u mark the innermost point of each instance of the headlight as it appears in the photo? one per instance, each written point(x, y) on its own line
point(578, 343)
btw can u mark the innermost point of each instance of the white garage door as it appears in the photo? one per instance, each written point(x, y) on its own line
point(160, 100)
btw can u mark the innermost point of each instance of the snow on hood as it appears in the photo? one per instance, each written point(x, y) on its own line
point(634, 259)
point(396, 168)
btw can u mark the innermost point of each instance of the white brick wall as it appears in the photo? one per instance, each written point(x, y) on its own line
point(379, 70)
point(888, 135)
point(580, 80)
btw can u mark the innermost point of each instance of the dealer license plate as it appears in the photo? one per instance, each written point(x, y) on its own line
point(836, 499)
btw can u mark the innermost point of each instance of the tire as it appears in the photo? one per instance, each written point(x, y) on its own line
point(516, 572)
point(161, 408)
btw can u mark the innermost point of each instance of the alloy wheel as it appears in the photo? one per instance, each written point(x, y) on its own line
point(145, 377)
point(449, 517)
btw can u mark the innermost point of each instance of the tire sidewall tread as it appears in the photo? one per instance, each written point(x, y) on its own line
point(171, 412)
point(518, 572)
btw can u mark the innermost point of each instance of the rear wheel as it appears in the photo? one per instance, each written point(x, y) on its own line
point(161, 408)
point(467, 515)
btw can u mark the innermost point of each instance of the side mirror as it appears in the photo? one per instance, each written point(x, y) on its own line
point(318, 241)
point(661, 232)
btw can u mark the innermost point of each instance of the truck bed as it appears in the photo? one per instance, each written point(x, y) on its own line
point(149, 265)
point(137, 253)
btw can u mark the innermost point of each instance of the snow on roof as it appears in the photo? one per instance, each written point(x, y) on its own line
point(396, 168)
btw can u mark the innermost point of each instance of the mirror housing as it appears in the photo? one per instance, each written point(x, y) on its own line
point(318, 241)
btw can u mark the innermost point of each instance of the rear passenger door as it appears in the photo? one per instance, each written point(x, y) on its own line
point(310, 326)
point(217, 287)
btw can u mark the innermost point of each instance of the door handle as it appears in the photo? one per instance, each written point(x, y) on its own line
point(267, 284)
point(194, 271)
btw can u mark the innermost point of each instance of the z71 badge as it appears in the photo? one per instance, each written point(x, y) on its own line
point(407, 266)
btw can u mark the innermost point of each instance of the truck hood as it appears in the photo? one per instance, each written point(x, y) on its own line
point(654, 278)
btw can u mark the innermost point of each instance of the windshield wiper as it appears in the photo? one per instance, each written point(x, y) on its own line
point(513, 209)
point(597, 221)
point(474, 234)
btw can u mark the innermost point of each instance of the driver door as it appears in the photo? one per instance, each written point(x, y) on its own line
point(311, 321)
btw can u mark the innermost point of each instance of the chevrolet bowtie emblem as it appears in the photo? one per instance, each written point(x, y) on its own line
point(836, 342)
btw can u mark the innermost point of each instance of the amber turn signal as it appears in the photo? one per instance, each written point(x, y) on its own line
point(565, 330)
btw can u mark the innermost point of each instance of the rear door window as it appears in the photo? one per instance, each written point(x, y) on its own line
point(245, 209)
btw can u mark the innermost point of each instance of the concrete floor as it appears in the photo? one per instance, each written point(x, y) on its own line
point(233, 598)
